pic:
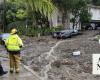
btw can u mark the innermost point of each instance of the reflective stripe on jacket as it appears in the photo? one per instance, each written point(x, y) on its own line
point(13, 43)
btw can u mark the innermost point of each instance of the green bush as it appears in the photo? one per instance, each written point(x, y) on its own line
point(33, 30)
point(57, 28)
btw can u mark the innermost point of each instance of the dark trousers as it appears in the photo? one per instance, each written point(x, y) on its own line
point(1, 69)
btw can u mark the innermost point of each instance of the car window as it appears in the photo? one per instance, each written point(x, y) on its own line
point(5, 36)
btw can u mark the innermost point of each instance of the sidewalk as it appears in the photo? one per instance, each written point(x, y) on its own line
point(24, 74)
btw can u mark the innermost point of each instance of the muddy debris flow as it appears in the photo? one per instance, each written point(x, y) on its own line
point(53, 59)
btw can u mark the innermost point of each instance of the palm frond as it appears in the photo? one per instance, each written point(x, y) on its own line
point(45, 7)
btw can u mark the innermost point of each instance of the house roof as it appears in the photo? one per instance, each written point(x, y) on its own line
point(96, 21)
point(93, 6)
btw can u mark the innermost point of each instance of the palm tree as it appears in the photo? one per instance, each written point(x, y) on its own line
point(45, 7)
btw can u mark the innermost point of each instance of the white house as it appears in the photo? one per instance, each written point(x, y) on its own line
point(95, 12)
point(56, 18)
point(95, 19)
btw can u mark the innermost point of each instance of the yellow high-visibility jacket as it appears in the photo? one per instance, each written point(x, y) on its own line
point(13, 43)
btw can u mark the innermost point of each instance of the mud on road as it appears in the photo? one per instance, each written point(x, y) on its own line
point(52, 59)
point(65, 66)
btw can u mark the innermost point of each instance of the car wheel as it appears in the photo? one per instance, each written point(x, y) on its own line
point(64, 37)
point(69, 36)
point(59, 37)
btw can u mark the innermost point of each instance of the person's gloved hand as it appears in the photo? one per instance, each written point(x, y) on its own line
point(20, 46)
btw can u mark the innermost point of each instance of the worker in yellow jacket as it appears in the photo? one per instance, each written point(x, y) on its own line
point(13, 45)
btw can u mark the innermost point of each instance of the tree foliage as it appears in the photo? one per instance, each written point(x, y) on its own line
point(85, 17)
point(65, 6)
point(15, 11)
point(78, 8)
point(96, 2)
point(45, 7)
point(80, 12)
point(36, 11)
point(20, 10)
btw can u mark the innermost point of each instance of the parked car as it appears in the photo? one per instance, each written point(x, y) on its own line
point(3, 37)
point(63, 34)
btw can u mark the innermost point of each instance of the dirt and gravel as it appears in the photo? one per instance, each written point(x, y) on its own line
point(53, 59)
point(59, 63)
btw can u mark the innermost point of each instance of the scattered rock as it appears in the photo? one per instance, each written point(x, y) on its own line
point(72, 68)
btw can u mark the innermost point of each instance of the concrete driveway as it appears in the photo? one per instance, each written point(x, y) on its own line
point(25, 73)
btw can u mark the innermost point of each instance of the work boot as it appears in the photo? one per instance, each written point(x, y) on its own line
point(11, 70)
point(4, 72)
point(17, 70)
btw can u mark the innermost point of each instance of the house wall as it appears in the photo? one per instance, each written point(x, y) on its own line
point(1, 1)
point(56, 20)
point(57, 17)
point(95, 13)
